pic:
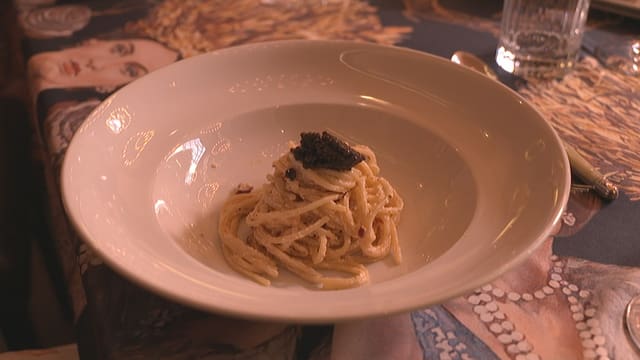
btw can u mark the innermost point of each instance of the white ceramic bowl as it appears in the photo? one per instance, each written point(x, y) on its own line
point(484, 177)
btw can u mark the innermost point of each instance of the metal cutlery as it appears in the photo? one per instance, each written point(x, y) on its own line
point(580, 167)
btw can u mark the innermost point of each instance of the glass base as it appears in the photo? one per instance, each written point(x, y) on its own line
point(534, 66)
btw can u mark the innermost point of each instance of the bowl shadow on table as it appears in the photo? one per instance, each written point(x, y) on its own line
point(34, 307)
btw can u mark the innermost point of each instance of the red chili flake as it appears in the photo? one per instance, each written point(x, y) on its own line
point(361, 231)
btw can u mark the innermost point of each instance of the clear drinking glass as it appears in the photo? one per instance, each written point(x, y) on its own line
point(541, 38)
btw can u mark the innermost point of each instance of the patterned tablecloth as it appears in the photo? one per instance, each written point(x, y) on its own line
point(565, 302)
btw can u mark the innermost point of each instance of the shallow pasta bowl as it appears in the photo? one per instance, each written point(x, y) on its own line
point(483, 176)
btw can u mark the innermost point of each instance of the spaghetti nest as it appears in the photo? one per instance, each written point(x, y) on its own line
point(314, 222)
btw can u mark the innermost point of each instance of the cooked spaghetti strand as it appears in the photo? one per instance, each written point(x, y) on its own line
point(317, 223)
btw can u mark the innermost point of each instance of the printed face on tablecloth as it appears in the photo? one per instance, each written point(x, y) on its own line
point(99, 63)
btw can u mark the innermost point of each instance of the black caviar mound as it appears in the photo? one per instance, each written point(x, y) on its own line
point(325, 151)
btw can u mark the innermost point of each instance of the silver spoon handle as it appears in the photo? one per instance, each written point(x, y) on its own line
point(579, 165)
point(590, 175)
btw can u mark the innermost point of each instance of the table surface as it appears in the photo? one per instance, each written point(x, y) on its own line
point(565, 302)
